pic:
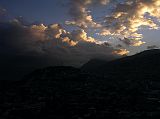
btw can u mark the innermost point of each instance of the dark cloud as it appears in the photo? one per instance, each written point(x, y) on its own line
point(131, 42)
point(152, 47)
point(119, 46)
point(3, 14)
point(24, 48)
point(2, 11)
point(81, 15)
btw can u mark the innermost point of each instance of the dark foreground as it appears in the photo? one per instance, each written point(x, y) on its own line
point(129, 90)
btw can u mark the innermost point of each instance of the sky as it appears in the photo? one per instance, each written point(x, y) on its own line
point(47, 11)
point(39, 33)
point(57, 11)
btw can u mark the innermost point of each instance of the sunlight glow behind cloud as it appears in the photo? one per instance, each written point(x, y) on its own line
point(81, 43)
point(124, 21)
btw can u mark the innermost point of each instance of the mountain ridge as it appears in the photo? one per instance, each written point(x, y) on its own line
point(68, 92)
point(139, 60)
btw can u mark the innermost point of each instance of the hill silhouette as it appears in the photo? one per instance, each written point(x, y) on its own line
point(147, 61)
point(127, 88)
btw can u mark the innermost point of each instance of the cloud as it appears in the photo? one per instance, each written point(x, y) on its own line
point(152, 47)
point(44, 45)
point(81, 15)
point(132, 42)
point(124, 21)
point(128, 17)
point(104, 2)
point(26, 47)
point(119, 46)
point(121, 52)
point(2, 11)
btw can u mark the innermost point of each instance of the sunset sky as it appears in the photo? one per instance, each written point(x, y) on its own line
point(71, 32)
